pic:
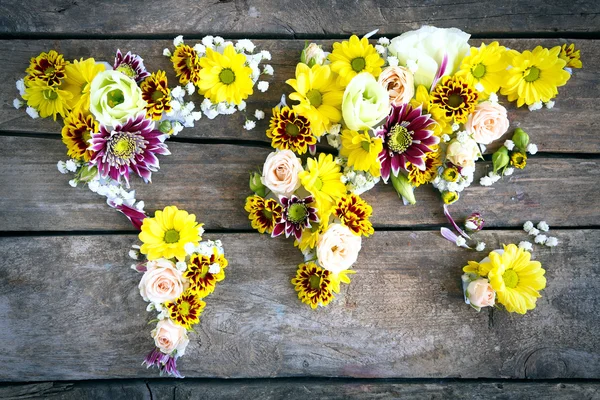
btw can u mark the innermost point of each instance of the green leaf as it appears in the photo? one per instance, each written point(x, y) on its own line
point(403, 187)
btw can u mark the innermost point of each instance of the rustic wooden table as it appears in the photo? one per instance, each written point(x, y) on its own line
point(69, 305)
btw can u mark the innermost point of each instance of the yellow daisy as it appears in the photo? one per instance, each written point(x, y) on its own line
point(354, 212)
point(47, 100)
point(571, 56)
point(76, 132)
point(362, 151)
point(225, 77)
point(313, 284)
point(516, 279)
point(416, 177)
point(319, 95)
point(79, 76)
point(48, 67)
point(485, 65)
point(322, 178)
point(165, 234)
point(186, 309)
point(352, 57)
point(535, 75)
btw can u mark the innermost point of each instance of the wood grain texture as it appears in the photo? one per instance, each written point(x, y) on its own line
point(291, 18)
point(212, 182)
point(70, 310)
point(299, 389)
point(568, 128)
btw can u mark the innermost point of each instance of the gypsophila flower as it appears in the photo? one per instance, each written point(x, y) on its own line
point(480, 246)
point(249, 125)
point(494, 177)
point(383, 41)
point(32, 112)
point(242, 106)
point(462, 136)
point(455, 127)
point(62, 168)
point(265, 55)
point(21, 86)
point(445, 138)
point(550, 104)
point(532, 148)
point(534, 232)
point(486, 181)
point(479, 87)
point(200, 48)
point(535, 106)
point(509, 144)
point(263, 86)
point(527, 226)
point(208, 41)
point(460, 241)
point(526, 245)
point(543, 226)
point(218, 40)
point(181, 265)
point(73, 183)
point(71, 166)
point(190, 88)
point(268, 70)
point(167, 53)
point(493, 98)
point(551, 241)
point(178, 40)
point(509, 171)
point(259, 114)
point(541, 239)
point(380, 49)
point(392, 61)
point(177, 93)
point(133, 254)
point(18, 103)
point(334, 141)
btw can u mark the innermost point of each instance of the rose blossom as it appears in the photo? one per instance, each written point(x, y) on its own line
point(280, 172)
point(463, 154)
point(313, 54)
point(114, 98)
point(337, 248)
point(169, 337)
point(161, 282)
point(365, 103)
point(488, 123)
point(480, 293)
point(399, 83)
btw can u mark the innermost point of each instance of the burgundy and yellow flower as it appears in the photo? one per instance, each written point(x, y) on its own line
point(416, 177)
point(290, 131)
point(204, 272)
point(313, 284)
point(131, 65)
point(186, 64)
point(455, 97)
point(570, 55)
point(186, 309)
point(78, 130)
point(156, 93)
point(297, 215)
point(48, 67)
point(263, 213)
point(354, 212)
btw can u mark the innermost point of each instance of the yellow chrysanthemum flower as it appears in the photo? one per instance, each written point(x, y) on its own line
point(202, 281)
point(263, 213)
point(535, 75)
point(225, 77)
point(186, 309)
point(48, 67)
point(354, 212)
point(186, 64)
point(571, 56)
point(423, 99)
point(340, 277)
point(516, 279)
point(362, 151)
point(79, 76)
point(310, 236)
point(156, 93)
point(352, 57)
point(455, 97)
point(322, 178)
point(416, 177)
point(518, 160)
point(481, 269)
point(451, 174)
point(313, 284)
point(319, 95)
point(485, 65)
point(289, 130)
point(47, 100)
point(76, 132)
point(165, 234)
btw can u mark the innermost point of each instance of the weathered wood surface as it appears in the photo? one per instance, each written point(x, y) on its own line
point(301, 389)
point(291, 18)
point(212, 181)
point(568, 128)
point(70, 310)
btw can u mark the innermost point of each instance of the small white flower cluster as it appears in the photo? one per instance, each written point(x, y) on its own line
point(464, 180)
point(182, 112)
point(539, 105)
point(356, 182)
point(382, 48)
point(540, 238)
point(333, 136)
point(531, 147)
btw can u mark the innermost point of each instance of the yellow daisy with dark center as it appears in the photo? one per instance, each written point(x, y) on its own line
point(571, 56)
point(455, 97)
point(263, 213)
point(290, 131)
point(313, 284)
point(186, 64)
point(78, 129)
point(186, 309)
point(202, 280)
point(156, 93)
point(48, 67)
point(354, 212)
point(416, 177)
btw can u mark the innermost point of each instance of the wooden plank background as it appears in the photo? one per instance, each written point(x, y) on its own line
point(69, 306)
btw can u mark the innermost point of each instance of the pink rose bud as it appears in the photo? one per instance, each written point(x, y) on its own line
point(480, 293)
point(474, 223)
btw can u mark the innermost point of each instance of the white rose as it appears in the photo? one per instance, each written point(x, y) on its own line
point(480, 293)
point(427, 47)
point(161, 282)
point(337, 248)
point(169, 337)
point(280, 172)
point(463, 154)
point(365, 102)
point(115, 97)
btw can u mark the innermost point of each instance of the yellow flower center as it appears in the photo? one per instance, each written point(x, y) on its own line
point(171, 236)
point(366, 145)
point(126, 70)
point(184, 308)
point(318, 184)
point(358, 64)
point(314, 281)
point(227, 76)
point(314, 97)
point(123, 147)
point(532, 75)
point(49, 71)
point(291, 129)
point(49, 94)
point(400, 139)
point(479, 71)
point(511, 279)
point(297, 213)
point(268, 214)
point(157, 95)
point(115, 97)
point(455, 100)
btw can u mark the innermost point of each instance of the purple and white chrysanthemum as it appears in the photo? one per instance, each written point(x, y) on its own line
point(131, 146)
point(131, 65)
point(405, 139)
point(165, 363)
point(297, 215)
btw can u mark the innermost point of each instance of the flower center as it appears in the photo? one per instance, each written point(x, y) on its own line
point(184, 308)
point(400, 139)
point(157, 95)
point(127, 70)
point(315, 98)
point(318, 184)
point(479, 71)
point(358, 64)
point(227, 76)
point(455, 100)
point(268, 215)
point(123, 147)
point(115, 97)
point(297, 213)
point(366, 145)
point(291, 129)
point(49, 71)
point(49, 94)
point(314, 281)
point(171, 236)
point(511, 279)
point(533, 75)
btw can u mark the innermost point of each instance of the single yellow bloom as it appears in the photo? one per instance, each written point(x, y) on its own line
point(362, 151)
point(156, 93)
point(450, 197)
point(451, 174)
point(225, 77)
point(186, 309)
point(263, 213)
point(165, 234)
point(485, 65)
point(322, 178)
point(79, 76)
point(571, 56)
point(202, 281)
point(319, 96)
point(77, 131)
point(47, 100)
point(349, 58)
point(455, 97)
point(518, 160)
point(433, 160)
point(313, 284)
point(49, 67)
point(354, 213)
point(186, 64)
point(516, 279)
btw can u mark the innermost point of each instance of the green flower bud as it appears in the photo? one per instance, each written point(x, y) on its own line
point(165, 127)
point(256, 184)
point(86, 174)
point(500, 159)
point(312, 54)
point(403, 187)
point(521, 139)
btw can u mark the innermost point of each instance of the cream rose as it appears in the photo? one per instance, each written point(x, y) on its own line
point(480, 293)
point(313, 54)
point(463, 154)
point(399, 83)
point(169, 337)
point(365, 102)
point(115, 97)
point(161, 282)
point(280, 172)
point(337, 248)
point(488, 123)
